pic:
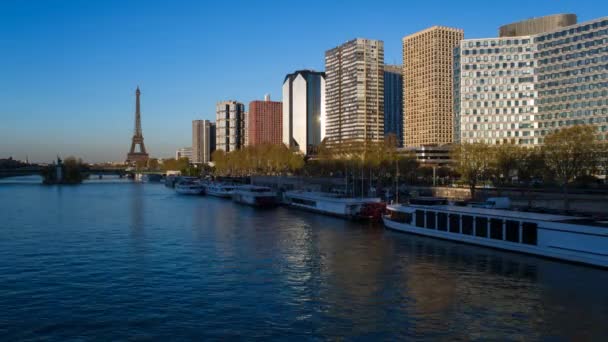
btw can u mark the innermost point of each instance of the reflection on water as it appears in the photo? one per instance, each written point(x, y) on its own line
point(115, 260)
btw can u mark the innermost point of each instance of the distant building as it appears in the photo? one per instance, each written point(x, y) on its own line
point(304, 110)
point(203, 141)
point(354, 91)
point(230, 125)
point(265, 122)
point(428, 58)
point(534, 26)
point(393, 102)
point(184, 152)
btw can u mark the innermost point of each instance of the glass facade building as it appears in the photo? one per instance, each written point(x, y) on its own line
point(304, 110)
point(393, 102)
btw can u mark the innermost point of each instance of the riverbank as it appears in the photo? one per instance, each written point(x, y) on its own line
point(582, 201)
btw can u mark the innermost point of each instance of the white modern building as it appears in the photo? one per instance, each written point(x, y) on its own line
point(495, 96)
point(519, 89)
point(203, 141)
point(304, 110)
point(184, 152)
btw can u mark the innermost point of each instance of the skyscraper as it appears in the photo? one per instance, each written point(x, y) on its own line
point(203, 141)
point(230, 125)
point(393, 102)
point(304, 110)
point(354, 93)
point(265, 122)
point(428, 58)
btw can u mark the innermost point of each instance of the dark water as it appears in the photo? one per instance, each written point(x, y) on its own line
point(110, 261)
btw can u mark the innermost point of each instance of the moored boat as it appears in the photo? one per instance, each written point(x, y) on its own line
point(575, 239)
point(258, 196)
point(189, 188)
point(335, 205)
point(219, 190)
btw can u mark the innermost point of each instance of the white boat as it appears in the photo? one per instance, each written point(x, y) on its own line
point(219, 190)
point(561, 237)
point(189, 188)
point(334, 204)
point(259, 196)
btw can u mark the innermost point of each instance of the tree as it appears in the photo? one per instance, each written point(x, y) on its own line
point(472, 162)
point(529, 165)
point(505, 162)
point(602, 159)
point(570, 153)
point(152, 164)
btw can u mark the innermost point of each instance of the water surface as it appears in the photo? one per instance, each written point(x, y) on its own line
point(111, 260)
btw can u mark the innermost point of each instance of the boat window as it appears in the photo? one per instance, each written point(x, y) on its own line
point(529, 233)
point(442, 221)
point(481, 226)
point(467, 224)
point(304, 202)
point(430, 220)
point(420, 218)
point(401, 217)
point(495, 229)
point(512, 231)
point(454, 223)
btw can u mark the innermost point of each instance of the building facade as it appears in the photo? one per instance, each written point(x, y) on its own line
point(354, 92)
point(534, 26)
point(304, 110)
point(519, 89)
point(572, 77)
point(393, 102)
point(265, 122)
point(428, 106)
point(230, 126)
point(184, 152)
point(203, 141)
point(495, 99)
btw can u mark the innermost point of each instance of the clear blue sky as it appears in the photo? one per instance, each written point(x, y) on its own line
point(68, 69)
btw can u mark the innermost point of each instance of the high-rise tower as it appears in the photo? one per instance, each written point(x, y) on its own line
point(138, 137)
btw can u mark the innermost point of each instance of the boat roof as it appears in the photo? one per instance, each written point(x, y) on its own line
point(328, 196)
point(519, 215)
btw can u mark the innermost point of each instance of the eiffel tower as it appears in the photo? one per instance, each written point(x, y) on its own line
point(138, 137)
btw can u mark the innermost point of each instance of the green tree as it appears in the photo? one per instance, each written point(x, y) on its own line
point(570, 153)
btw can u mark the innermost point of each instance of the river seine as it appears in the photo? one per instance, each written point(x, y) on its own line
point(113, 260)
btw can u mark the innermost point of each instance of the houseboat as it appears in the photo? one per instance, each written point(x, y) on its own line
point(335, 205)
point(189, 187)
point(220, 190)
point(568, 238)
point(259, 196)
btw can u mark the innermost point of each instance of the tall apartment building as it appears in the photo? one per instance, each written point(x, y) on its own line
point(230, 125)
point(304, 110)
point(428, 106)
point(265, 122)
point(203, 141)
point(519, 89)
point(354, 92)
point(393, 102)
